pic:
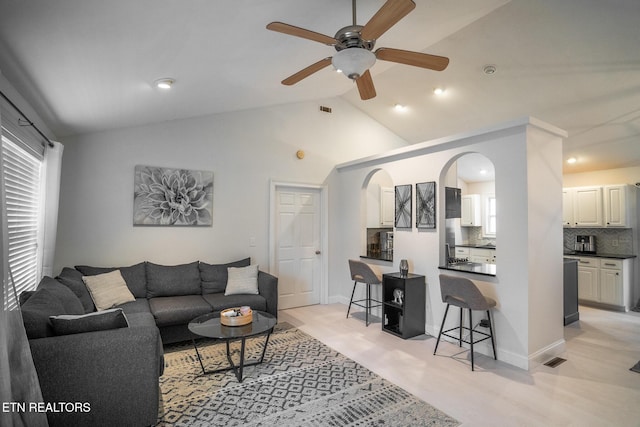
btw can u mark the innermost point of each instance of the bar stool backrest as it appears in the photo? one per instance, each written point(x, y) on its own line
point(462, 292)
point(361, 272)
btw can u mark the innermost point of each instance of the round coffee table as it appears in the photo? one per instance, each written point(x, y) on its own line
point(208, 325)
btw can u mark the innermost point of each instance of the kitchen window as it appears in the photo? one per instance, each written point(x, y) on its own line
point(490, 217)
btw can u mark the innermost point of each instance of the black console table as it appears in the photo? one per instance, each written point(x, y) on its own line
point(404, 320)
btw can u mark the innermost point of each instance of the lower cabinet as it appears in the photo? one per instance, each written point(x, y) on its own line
point(605, 281)
point(403, 304)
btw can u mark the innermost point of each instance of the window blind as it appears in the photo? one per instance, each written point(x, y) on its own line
point(21, 180)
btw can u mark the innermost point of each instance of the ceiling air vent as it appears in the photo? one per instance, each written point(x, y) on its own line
point(325, 109)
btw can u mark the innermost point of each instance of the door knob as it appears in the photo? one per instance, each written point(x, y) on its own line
point(318, 252)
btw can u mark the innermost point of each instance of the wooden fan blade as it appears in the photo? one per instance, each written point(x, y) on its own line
point(365, 86)
point(388, 15)
point(417, 59)
point(301, 32)
point(306, 72)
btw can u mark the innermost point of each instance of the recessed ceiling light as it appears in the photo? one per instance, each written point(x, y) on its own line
point(489, 69)
point(164, 83)
point(571, 160)
point(483, 171)
point(399, 107)
point(439, 91)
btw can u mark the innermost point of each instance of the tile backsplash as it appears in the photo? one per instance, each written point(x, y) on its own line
point(617, 241)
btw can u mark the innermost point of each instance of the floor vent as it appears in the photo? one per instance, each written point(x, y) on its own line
point(555, 362)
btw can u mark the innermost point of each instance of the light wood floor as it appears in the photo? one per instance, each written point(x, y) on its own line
point(594, 387)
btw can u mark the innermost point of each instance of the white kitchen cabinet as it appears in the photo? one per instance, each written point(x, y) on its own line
point(567, 207)
point(471, 211)
point(461, 252)
point(588, 279)
point(387, 206)
point(605, 282)
point(615, 206)
point(484, 256)
point(611, 284)
point(587, 207)
point(600, 206)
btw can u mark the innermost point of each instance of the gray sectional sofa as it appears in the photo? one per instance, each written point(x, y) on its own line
point(111, 360)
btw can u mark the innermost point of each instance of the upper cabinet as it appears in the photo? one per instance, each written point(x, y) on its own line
point(616, 208)
point(587, 207)
point(595, 206)
point(471, 211)
point(387, 206)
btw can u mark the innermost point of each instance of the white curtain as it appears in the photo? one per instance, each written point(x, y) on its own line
point(51, 175)
point(18, 379)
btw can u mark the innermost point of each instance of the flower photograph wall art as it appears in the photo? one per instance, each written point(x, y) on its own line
point(177, 197)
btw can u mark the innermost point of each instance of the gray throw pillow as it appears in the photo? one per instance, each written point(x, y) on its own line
point(214, 276)
point(135, 276)
point(98, 321)
point(173, 280)
point(36, 312)
point(64, 295)
point(72, 279)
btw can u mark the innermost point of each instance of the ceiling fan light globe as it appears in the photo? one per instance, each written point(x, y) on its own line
point(353, 62)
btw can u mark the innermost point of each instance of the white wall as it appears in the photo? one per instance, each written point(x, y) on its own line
point(245, 150)
point(528, 285)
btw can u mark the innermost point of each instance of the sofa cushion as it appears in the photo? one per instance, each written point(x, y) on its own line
point(173, 280)
point(214, 276)
point(140, 319)
point(140, 305)
point(72, 279)
point(108, 290)
point(67, 324)
point(36, 312)
point(178, 310)
point(64, 295)
point(220, 301)
point(135, 276)
point(242, 280)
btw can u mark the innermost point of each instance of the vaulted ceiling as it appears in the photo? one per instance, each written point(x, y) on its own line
point(89, 65)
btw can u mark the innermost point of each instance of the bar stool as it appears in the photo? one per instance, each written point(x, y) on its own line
point(463, 293)
point(362, 273)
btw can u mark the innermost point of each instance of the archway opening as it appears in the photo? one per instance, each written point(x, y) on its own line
point(379, 209)
point(470, 217)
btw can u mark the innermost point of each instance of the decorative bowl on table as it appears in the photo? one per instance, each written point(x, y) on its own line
point(236, 316)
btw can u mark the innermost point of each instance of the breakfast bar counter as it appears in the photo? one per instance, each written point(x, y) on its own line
point(471, 267)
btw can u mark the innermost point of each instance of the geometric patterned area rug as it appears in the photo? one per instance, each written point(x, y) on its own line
point(301, 382)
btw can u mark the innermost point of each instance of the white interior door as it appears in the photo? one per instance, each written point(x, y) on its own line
point(298, 246)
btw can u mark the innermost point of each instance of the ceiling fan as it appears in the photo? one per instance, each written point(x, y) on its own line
point(354, 45)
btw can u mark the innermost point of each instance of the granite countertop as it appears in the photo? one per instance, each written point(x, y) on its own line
point(471, 267)
point(379, 255)
point(599, 255)
point(462, 245)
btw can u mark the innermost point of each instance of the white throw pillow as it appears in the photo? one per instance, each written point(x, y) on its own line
point(108, 290)
point(242, 280)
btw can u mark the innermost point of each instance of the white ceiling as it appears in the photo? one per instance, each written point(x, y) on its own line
point(88, 65)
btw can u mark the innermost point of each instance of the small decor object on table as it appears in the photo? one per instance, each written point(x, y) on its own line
point(404, 268)
point(398, 296)
point(236, 316)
